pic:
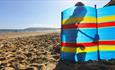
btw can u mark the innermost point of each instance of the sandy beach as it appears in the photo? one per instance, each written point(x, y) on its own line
point(28, 51)
point(35, 51)
point(7, 35)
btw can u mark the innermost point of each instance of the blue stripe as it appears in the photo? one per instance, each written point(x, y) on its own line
point(106, 11)
point(90, 12)
point(107, 33)
point(87, 35)
point(82, 35)
point(107, 55)
point(79, 12)
point(79, 57)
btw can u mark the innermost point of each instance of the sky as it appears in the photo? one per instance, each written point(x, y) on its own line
point(20, 14)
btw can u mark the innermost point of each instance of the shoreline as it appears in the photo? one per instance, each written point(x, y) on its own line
point(7, 35)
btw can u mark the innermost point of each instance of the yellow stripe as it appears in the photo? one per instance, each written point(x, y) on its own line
point(88, 20)
point(106, 19)
point(107, 47)
point(89, 49)
point(79, 50)
point(79, 20)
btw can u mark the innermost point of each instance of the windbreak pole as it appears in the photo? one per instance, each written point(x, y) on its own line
point(97, 36)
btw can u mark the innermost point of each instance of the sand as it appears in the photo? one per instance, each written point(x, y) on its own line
point(35, 51)
point(7, 35)
point(28, 51)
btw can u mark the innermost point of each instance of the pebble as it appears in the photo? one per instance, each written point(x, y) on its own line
point(9, 68)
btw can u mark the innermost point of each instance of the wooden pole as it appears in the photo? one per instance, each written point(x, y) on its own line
point(61, 25)
point(97, 36)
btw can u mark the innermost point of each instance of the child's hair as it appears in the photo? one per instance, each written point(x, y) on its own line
point(79, 4)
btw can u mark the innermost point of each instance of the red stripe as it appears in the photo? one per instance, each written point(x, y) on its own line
point(83, 25)
point(106, 24)
point(107, 42)
point(78, 44)
point(88, 25)
point(88, 44)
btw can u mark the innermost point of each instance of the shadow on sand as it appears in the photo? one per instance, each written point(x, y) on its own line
point(90, 65)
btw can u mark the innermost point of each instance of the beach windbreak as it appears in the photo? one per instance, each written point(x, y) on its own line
point(88, 33)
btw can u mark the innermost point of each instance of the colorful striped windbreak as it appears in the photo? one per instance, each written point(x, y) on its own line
point(88, 33)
